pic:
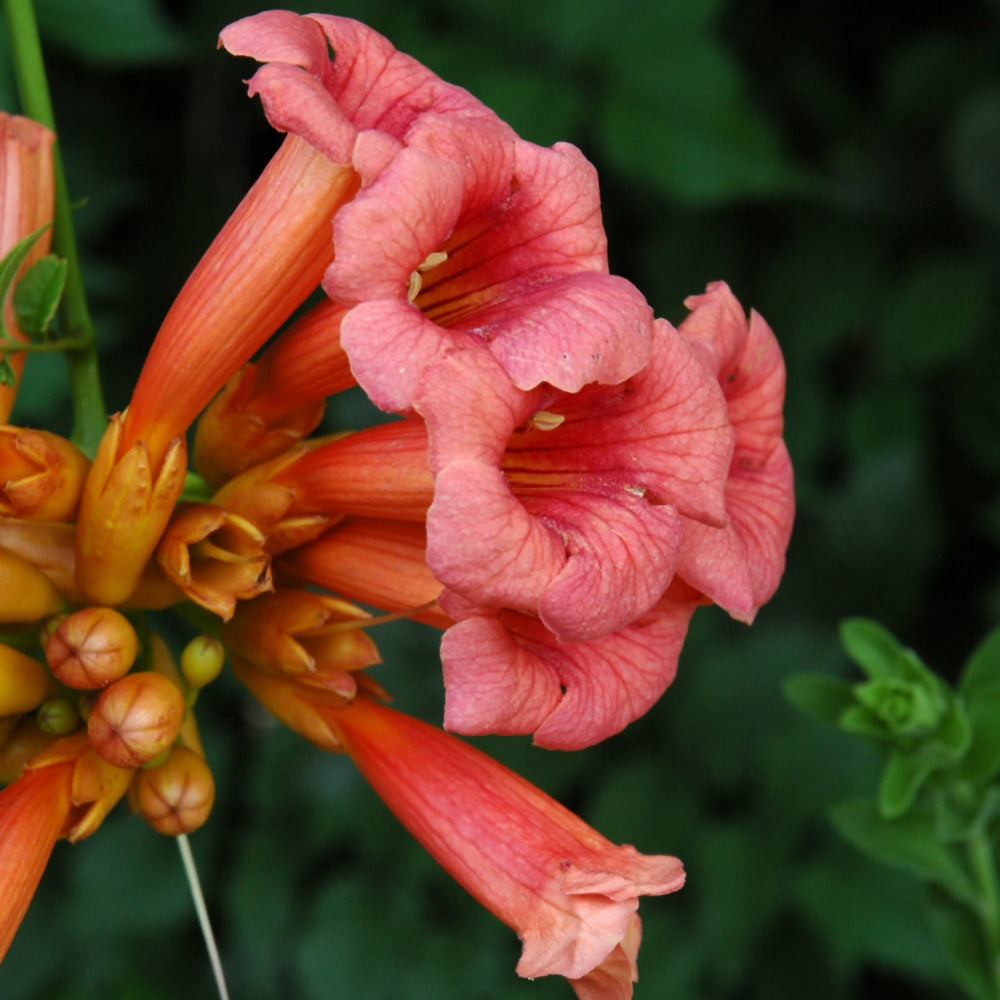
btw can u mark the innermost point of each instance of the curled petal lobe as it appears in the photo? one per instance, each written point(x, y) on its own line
point(740, 564)
point(215, 557)
point(509, 675)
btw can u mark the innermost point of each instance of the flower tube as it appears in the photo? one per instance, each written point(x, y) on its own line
point(571, 895)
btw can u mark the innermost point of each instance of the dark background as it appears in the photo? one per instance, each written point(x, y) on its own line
point(839, 165)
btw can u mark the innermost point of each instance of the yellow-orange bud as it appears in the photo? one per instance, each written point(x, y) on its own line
point(26, 595)
point(177, 796)
point(136, 719)
point(41, 475)
point(24, 682)
point(202, 661)
point(91, 648)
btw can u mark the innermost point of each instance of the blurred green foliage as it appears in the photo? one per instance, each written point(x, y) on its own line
point(839, 165)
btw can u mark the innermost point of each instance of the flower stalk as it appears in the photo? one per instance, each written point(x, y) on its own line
point(89, 415)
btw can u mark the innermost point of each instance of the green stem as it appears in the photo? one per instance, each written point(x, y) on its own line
point(983, 861)
point(89, 413)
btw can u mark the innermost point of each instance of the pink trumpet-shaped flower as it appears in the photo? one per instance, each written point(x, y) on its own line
point(462, 233)
point(571, 895)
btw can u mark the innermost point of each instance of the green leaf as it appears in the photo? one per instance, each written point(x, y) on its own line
point(961, 936)
point(983, 666)
point(908, 842)
point(874, 649)
point(982, 760)
point(9, 267)
point(7, 376)
point(38, 294)
point(904, 776)
point(822, 697)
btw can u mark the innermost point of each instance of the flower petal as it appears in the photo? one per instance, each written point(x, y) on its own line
point(509, 675)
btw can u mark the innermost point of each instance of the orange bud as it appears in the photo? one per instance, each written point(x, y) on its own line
point(216, 558)
point(136, 719)
point(26, 595)
point(256, 496)
point(176, 797)
point(127, 502)
point(163, 663)
point(232, 438)
point(91, 648)
point(24, 682)
point(275, 402)
point(295, 631)
point(41, 475)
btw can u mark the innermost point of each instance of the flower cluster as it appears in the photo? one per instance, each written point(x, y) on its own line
point(563, 481)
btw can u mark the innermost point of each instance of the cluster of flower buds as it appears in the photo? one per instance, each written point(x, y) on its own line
point(565, 480)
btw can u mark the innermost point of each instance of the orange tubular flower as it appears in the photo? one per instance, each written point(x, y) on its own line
point(570, 894)
point(214, 557)
point(376, 562)
point(66, 791)
point(275, 402)
point(243, 289)
point(27, 203)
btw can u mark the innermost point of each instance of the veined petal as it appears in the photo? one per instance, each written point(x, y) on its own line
point(568, 506)
point(374, 561)
point(266, 261)
point(509, 675)
point(569, 894)
point(33, 811)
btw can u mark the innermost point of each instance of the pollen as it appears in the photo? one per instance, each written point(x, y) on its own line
point(416, 281)
point(545, 420)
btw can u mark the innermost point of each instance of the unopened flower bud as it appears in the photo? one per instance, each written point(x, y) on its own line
point(24, 682)
point(58, 717)
point(136, 719)
point(91, 648)
point(177, 796)
point(202, 660)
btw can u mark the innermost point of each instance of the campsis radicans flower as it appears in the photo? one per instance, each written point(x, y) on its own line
point(571, 895)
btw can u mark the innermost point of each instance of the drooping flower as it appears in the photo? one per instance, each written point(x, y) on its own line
point(571, 895)
point(461, 233)
point(27, 204)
